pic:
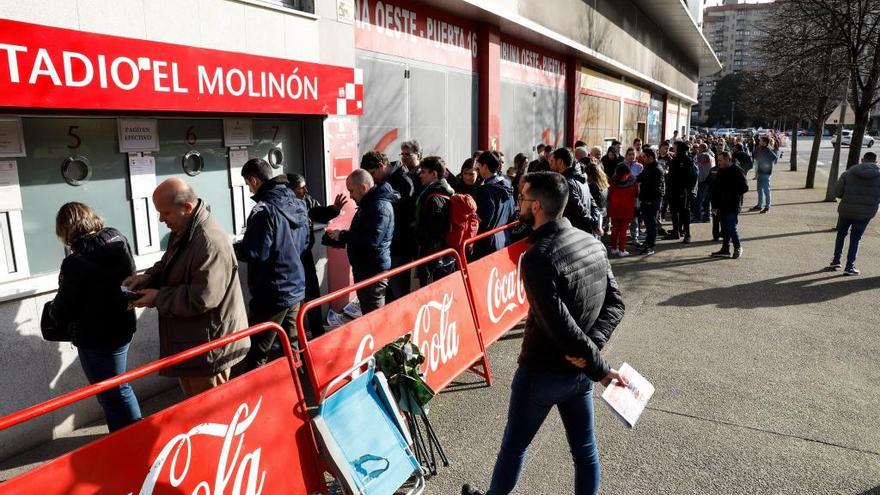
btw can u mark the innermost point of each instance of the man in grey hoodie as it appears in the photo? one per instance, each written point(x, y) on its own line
point(859, 190)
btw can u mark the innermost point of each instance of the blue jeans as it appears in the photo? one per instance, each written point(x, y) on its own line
point(533, 395)
point(763, 190)
point(120, 404)
point(700, 209)
point(730, 229)
point(855, 228)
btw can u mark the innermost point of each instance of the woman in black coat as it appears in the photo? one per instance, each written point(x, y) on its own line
point(90, 303)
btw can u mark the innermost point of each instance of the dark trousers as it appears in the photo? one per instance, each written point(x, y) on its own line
point(855, 229)
point(401, 284)
point(372, 297)
point(649, 215)
point(730, 229)
point(314, 321)
point(716, 227)
point(119, 404)
point(533, 395)
point(261, 343)
point(681, 216)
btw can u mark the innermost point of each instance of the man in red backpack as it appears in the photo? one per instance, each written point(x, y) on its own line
point(432, 218)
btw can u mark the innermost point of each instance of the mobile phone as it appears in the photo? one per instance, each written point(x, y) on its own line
point(129, 294)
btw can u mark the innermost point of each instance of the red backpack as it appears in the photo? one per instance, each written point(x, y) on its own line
point(463, 220)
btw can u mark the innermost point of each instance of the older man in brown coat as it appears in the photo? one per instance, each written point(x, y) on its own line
point(195, 289)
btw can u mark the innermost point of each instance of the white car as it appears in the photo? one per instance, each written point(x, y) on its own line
point(846, 138)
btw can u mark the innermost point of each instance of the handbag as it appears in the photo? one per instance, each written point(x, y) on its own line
point(52, 330)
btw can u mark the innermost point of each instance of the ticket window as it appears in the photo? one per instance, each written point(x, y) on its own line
point(78, 159)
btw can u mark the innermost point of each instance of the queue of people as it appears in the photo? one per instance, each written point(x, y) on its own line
point(408, 209)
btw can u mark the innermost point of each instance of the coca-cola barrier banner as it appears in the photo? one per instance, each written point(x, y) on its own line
point(439, 318)
point(48, 67)
point(248, 437)
point(497, 288)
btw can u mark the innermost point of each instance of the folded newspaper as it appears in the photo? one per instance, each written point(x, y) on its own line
point(627, 403)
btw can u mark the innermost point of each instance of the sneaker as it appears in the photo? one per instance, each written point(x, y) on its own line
point(738, 252)
point(648, 251)
point(469, 490)
point(835, 265)
point(766, 210)
point(623, 254)
point(352, 309)
point(672, 236)
point(335, 319)
point(722, 253)
point(686, 240)
point(614, 252)
point(662, 231)
point(852, 271)
point(755, 208)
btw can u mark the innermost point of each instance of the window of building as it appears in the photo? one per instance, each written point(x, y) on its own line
point(301, 5)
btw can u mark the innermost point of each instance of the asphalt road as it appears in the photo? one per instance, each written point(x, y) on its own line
point(826, 153)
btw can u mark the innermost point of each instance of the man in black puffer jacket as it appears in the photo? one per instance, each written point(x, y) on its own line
point(368, 239)
point(726, 194)
point(277, 234)
point(575, 305)
point(681, 183)
point(580, 209)
point(652, 188)
point(403, 245)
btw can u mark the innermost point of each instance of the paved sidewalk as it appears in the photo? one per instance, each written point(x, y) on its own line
point(766, 369)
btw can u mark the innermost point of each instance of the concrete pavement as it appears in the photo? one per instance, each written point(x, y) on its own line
point(766, 370)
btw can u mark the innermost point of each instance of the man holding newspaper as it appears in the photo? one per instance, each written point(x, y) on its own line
point(575, 305)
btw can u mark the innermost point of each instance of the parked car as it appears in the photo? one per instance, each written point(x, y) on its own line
point(846, 139)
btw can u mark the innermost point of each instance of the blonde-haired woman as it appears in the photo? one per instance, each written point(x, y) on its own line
point(90, 302)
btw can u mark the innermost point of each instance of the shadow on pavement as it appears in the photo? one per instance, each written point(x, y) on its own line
point(791, 290)
point(872, 491)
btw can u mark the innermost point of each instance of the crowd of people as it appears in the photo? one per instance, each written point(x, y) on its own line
point(406, 209)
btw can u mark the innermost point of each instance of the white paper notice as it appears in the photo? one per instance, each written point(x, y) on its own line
point(627, 403)
point(238, 132)
point(138, 135)
point(10, 192)
point(11, 137)
point(142, 173)
point(237, 159)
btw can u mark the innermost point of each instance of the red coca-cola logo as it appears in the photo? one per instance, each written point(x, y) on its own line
point(434, 332)
point(237, 472)
point(504, 293)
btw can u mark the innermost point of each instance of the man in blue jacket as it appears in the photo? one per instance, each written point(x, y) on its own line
point(277, 234)
point(495, 205)
point(368, 239)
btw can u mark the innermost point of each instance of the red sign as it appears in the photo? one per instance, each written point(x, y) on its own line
point(497, 288)
point(527, 63)
point(413, 31)
point(439, 318)
point(47, 67)
point(246, 437)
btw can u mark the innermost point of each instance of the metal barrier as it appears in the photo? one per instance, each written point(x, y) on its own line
point(439, 316)
point(243, 443)
point(495, 287)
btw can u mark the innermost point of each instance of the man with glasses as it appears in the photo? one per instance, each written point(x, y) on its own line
point(574, 307)
point(410, 157)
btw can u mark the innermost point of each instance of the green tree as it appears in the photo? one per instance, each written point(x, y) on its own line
point(730, 96)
